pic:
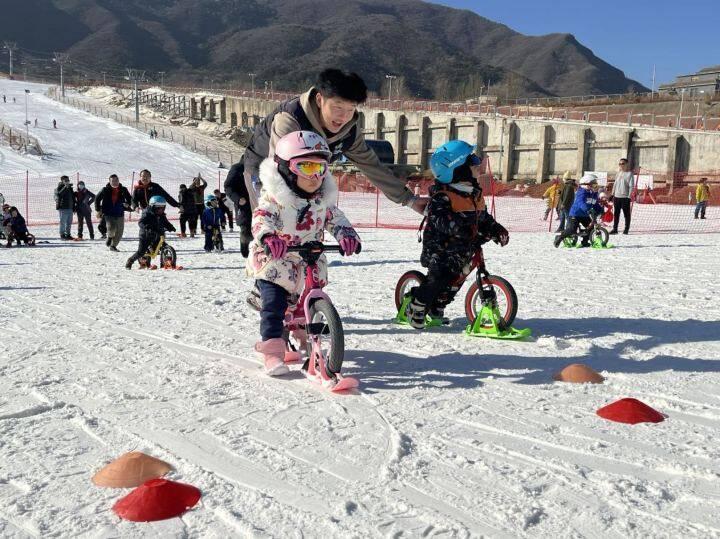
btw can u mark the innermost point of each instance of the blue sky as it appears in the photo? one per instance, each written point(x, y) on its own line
point(678, 37)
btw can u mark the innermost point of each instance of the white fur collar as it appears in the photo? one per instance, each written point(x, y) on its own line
point(274, 184)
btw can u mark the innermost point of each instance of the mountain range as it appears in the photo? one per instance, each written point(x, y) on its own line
point(435, 51)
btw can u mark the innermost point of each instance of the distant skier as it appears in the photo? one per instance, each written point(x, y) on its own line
point(54, 124)
point(36, 123)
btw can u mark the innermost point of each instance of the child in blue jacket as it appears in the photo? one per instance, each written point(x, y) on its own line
point(211, 220)
point(584, 210)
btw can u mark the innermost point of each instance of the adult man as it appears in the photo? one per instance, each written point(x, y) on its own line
point(622, 191)
point(111, 203)
point(147, 189)
point(64, 204)
point(83, 209)
point(329, 109)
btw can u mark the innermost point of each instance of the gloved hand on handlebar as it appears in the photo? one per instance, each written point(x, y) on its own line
point(350, 245)
point(499, 234)
point(274, 246)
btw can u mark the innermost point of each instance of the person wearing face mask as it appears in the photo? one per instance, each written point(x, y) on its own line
point(64, 203)
point(111, 203)
point(457, 225)
point(83, 208)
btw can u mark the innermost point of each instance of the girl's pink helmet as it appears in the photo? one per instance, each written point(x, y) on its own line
point(300, 144)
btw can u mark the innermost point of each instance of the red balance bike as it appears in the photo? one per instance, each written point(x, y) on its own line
point(491, 303)
point(313, 323)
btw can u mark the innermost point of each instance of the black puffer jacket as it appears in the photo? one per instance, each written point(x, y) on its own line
point(153, 225)
point(142, 195)
point(457, 225)
point(567, 196)
point(64, 197)
point(187, 202)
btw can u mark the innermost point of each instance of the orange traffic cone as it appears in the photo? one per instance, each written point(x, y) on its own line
point(130, 470)
point(577, 373)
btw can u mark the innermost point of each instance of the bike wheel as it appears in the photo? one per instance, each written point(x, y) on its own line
point(30, 239)
point(505, 295)
point(601, 236)
point(325, 324)
point(168, 256)
point(407, 281)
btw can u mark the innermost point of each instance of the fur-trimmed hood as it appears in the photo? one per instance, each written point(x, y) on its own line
point(274, 184)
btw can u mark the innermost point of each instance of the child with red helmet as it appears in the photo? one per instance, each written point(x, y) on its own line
point(297, 205)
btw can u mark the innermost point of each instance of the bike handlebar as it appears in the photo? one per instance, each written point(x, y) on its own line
point(311, 247)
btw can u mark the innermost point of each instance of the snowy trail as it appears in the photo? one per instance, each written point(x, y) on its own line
point(449, 437)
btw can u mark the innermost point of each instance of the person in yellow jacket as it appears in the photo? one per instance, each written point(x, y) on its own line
point(552, 197)
point(702, 194)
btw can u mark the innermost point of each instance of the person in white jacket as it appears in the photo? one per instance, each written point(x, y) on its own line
point(297, 204)
point(622, 192)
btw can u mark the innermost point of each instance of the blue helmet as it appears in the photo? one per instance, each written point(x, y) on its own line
point(448, 157)
point(209, 199)
point(156, 200)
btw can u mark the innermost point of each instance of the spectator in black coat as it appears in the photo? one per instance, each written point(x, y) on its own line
point(83, 208)
point(64, 203)
point(111, 203)
point(188, 211)
point(146, 189)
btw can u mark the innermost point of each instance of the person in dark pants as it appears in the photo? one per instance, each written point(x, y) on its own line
point(197, 190)
point(702, 195)
point(83, 209)
point(622, 193)
point(188, 211)
point(65, 203)
point(152, 224)
point(222, 204)
point(567, 196)
point(211, 220)
point(586, 205)
point(236, 190)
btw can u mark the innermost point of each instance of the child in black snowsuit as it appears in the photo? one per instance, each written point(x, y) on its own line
point(17, 228)
point(211, 220)
point(457, 225)
point(153, 223)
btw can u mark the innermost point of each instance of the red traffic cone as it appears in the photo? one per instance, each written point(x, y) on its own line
point(630, 411)
point(157, 499)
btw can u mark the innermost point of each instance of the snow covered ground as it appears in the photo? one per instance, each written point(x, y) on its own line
point(449, 436)
point(94, 146)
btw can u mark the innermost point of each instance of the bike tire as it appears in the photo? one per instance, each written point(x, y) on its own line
point(167, 253)
point(335, 353)
point(507, 299)
point(405, 283)
point(601, 234)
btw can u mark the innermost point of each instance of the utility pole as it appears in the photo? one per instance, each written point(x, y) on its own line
point(136, 75)
point(162, 78)
point(103, 74)
point(682, 98)
point(652, 93)
point(252, 78)
point(11, 46)
point(61, 58)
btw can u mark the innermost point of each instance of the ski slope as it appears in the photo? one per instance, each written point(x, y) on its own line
point(449, 436)
point(84, 143)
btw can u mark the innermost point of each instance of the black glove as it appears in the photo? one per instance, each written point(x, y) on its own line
point(499, 234)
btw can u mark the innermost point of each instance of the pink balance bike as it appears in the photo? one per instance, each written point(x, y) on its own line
point(314, 323)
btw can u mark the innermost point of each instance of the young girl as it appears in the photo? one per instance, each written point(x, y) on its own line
point(297, 204)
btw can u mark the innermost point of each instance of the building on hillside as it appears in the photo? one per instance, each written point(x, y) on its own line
point(704, 82)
